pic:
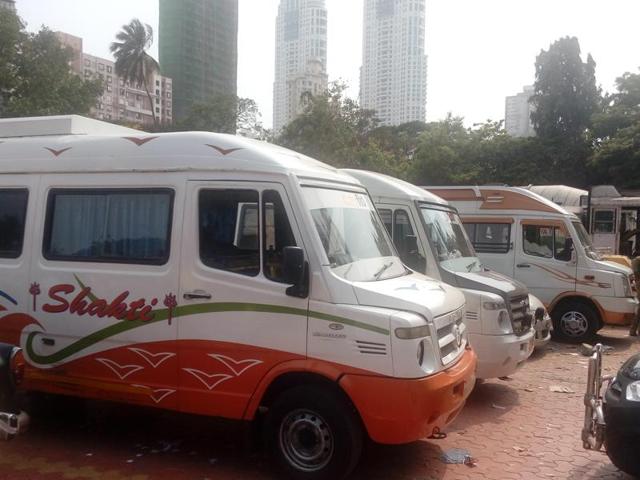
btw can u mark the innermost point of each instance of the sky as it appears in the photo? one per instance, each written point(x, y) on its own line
point(479, 51)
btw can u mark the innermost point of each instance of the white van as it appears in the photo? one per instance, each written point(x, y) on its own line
point(124, 276)
point(523, 235)
point(430, 239)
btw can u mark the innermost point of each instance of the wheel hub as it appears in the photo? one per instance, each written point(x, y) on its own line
point(306, 440)
point(574, 324)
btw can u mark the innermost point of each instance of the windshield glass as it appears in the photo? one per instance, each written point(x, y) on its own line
point(585, 240)
point(352, 235)
point(449, 240)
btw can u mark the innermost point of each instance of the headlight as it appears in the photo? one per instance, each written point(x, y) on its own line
point(412, 332)
point(633, 392)
point(499, 305)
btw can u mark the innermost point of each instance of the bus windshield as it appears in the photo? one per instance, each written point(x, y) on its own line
point(449, 240)
point(354, 239)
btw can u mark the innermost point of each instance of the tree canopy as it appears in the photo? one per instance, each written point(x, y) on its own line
point(35, 78)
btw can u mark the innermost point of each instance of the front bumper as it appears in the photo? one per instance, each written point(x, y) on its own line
point(617, 310)
point(620, 414)
point(501, 355)
point(396, 410)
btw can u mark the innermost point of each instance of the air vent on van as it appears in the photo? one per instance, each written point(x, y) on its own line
point(371, 348)
point(471, 316)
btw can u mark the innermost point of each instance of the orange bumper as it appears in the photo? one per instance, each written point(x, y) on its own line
point(396, 411)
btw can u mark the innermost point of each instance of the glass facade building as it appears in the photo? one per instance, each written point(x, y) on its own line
point(198, 46)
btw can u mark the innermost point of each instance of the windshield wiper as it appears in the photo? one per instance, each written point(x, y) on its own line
point(382, 270)
point(471, 265)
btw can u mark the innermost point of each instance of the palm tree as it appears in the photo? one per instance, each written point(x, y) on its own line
point(133, 63)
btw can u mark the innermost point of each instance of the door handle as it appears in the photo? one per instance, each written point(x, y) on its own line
point(49, 342)
point(197, 295)
point(523, 265)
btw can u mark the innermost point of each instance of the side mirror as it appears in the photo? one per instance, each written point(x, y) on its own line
point(296, 272)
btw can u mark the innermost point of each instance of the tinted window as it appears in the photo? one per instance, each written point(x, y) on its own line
point(489, 237)
point(117, 226)
point(385, 216)
point(406, 241)
point(13, 211)
point(229, 226)
point(604, 221)
point(562, 245)
point(276, 236)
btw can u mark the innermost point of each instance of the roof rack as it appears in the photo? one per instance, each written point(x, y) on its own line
point(59, 125)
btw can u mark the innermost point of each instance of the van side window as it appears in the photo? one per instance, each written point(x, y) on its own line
point(604, 221)
point(13, 212)
point(229, 225)
point(538, 240)
point(277, 235)
point(385, 216)
point(406, 242)
point(109, 225)
point(562, 245)
point(489, 237)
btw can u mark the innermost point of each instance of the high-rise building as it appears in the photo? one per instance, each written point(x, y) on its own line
point(10, 4)
point(393, 76)
point(121, 101)
point(301, 57)
point(199, 50)
point(517, 119)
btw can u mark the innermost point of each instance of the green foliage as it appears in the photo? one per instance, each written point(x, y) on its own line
point(566, 94)
point(225, 114)
point(616, 133)
point(133, 63)
point(35, 78)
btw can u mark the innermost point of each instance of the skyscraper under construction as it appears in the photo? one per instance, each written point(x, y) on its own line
point(199, 50)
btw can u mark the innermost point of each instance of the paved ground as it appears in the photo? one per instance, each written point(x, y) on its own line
point(515, 429)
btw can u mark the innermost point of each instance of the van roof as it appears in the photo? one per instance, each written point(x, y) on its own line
point(380, 185)
point(136, 151)
point(498, 198)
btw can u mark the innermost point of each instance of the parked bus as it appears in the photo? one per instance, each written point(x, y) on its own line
point(124, 277)
point(430, 239)
point(525, 236)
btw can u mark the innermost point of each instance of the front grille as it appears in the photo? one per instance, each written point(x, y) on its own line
point(371, 348)
point(451, 330)
point(521, 317)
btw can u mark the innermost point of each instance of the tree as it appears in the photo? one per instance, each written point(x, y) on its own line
point(35, 78)
point(616, 133)
point(226, 114)
point(565, 92)
point(133, 63)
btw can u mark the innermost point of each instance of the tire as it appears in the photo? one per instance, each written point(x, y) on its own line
point(575, 322)
point(314, 433)
point(623, 451)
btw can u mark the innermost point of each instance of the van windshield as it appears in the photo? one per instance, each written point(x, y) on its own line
point(352, 235)
point(449, 240)
point(585, 240)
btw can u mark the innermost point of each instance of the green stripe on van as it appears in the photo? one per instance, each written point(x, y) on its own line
point(184, 311)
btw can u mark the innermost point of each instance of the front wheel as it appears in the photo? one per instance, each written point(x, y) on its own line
point(622, 451)
point(314, 433)
point(575, 322)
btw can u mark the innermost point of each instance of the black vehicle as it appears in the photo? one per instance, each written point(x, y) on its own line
point(614, 420)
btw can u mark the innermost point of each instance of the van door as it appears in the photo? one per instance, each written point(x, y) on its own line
point(18, 197)
point(493, 241)
point(544, 261)
point(103, 281)
point(238, 320)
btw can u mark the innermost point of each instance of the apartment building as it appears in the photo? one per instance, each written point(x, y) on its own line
point(393, 76)
point(121, 101)
point(301, 57)
point(517, 118)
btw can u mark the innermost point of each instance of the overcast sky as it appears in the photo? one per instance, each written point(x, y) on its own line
point(479, 50)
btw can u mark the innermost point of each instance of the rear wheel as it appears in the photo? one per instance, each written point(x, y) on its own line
point(623, 451)
point(575, 322)
point(314, 433)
